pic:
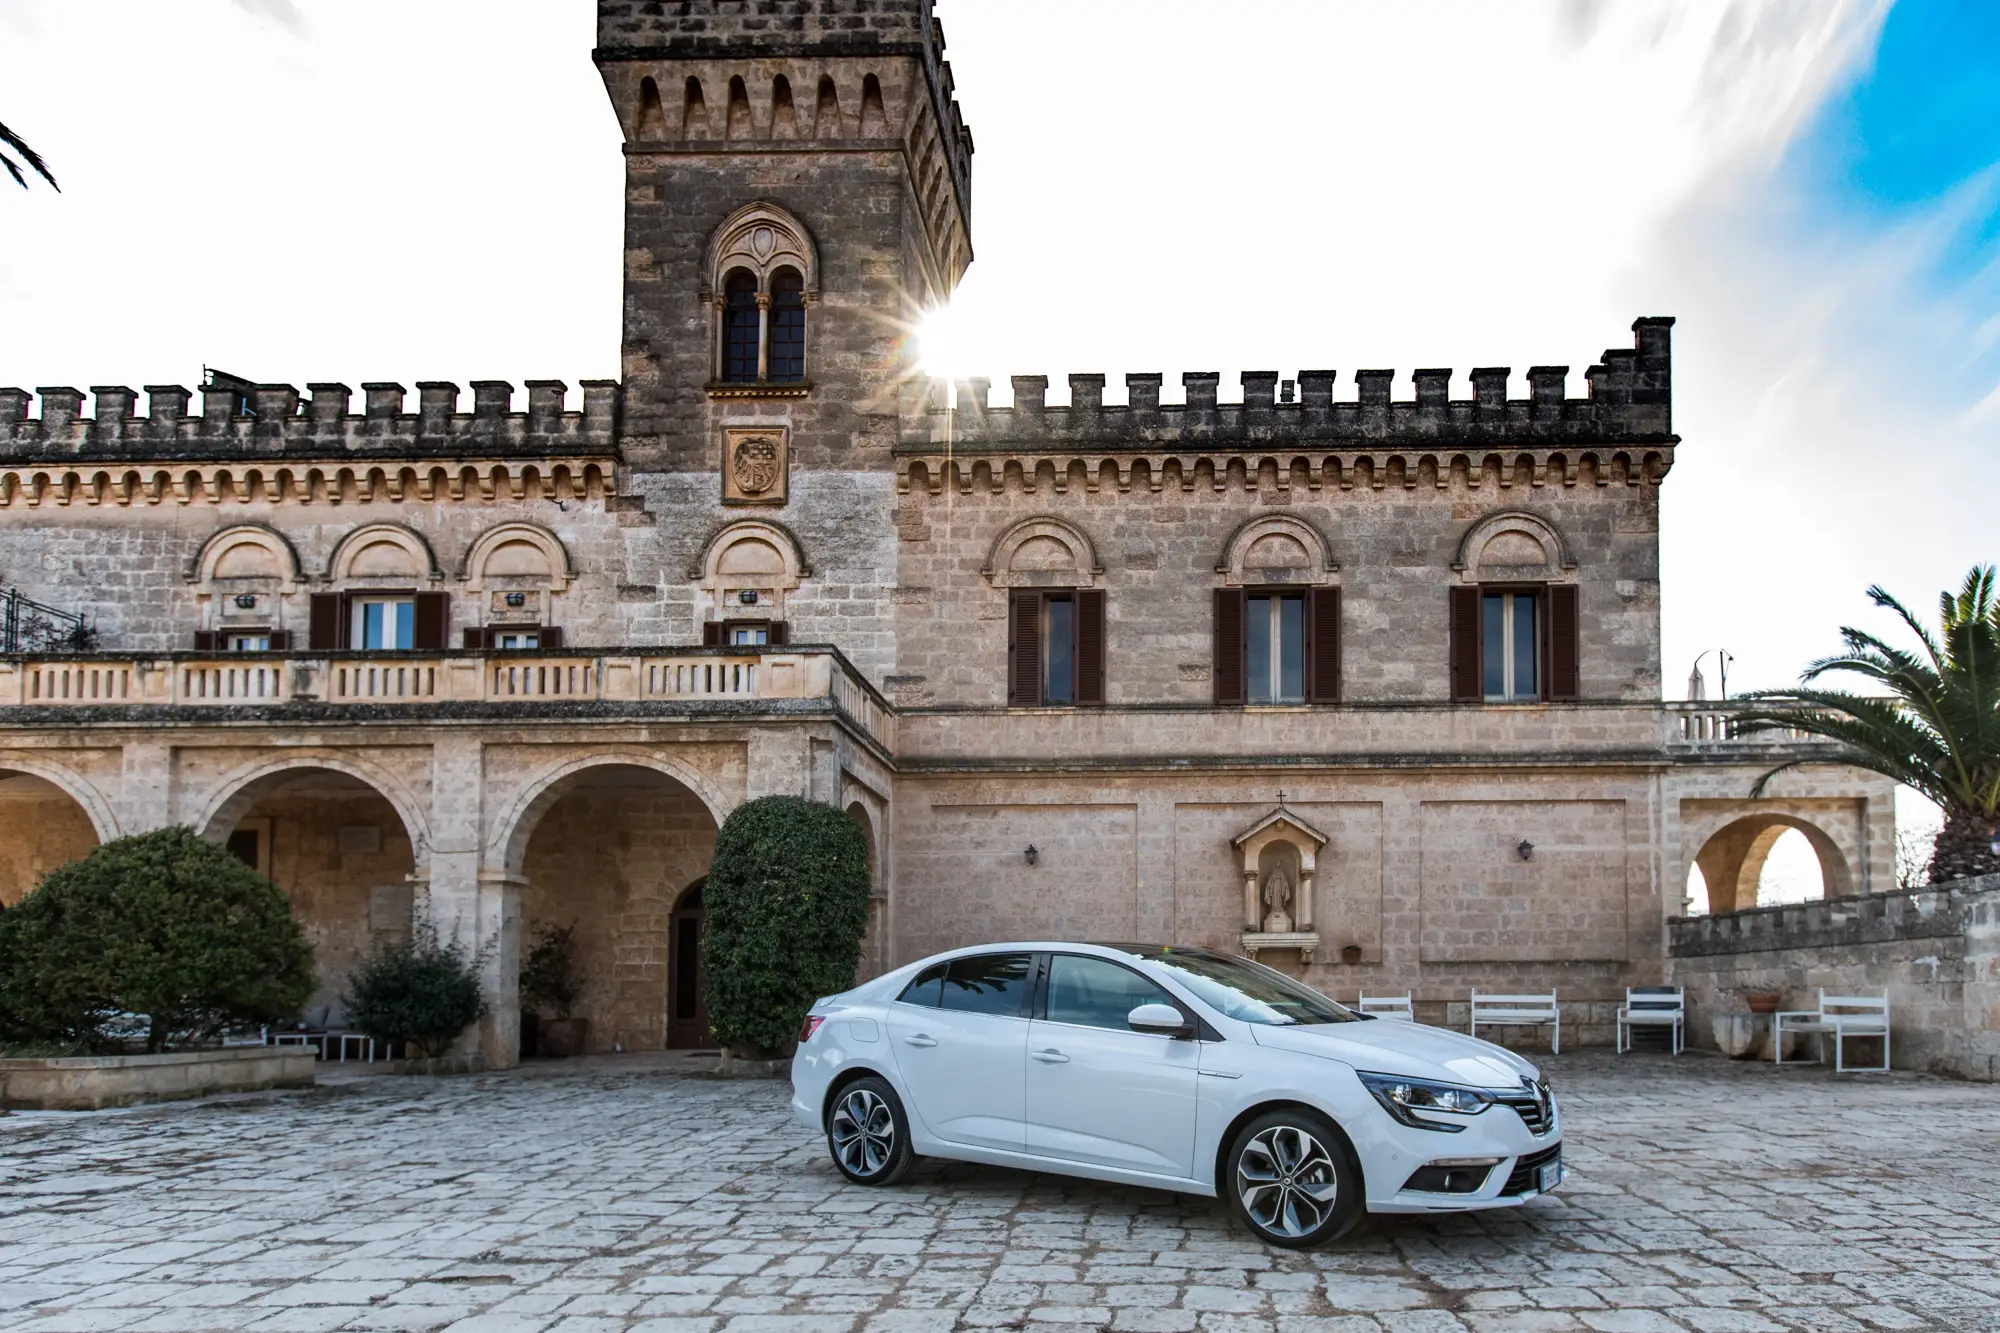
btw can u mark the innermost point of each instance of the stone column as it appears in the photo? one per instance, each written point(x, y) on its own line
point(1305, 903)
point(477, 905)
point(144, 799)
point(1253, 918)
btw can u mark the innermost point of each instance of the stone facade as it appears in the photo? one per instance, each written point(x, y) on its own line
point(1935, 952)
point(500, 667)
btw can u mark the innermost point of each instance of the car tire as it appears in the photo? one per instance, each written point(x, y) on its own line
point(1290, 1177)
point(867, 1133)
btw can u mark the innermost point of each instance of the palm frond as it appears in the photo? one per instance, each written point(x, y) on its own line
point(28, 155)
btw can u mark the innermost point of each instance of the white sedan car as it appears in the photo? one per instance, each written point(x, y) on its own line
point(1183, 1069)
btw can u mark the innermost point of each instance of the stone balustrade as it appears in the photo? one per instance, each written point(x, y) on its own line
point(222, 681)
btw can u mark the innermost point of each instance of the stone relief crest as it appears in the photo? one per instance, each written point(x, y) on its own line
point(754, 465)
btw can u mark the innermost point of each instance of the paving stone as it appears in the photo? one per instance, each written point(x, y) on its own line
point(609, 1196)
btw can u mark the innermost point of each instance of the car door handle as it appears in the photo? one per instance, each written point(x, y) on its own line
point(1052, 1057)
point(921, 1040)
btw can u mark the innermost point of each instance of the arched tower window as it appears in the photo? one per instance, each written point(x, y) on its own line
point(765, 273)
point(741, 327)
point(788, 327)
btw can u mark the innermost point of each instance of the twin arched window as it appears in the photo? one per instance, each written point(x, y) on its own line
point(764, 333)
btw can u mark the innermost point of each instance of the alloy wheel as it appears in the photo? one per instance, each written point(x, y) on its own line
point(1287, 1181)
point(864, 1132)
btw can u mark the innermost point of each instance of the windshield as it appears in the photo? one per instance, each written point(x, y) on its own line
point(1249, 992)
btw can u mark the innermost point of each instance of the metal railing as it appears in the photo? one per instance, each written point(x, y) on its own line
point(30, 627)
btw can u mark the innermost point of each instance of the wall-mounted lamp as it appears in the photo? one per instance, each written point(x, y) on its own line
point(517, 599)
point(747, 596)
point(246, 600)
point(1033, 854)
point(1526, 850)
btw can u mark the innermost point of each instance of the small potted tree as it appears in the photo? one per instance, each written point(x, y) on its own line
point(552, 985)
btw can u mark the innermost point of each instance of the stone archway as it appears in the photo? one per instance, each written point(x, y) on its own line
point(44, 825)
point(873, 938)
point(1732, 859)
point(343, 849)
point(609, 846)
point(687, 981)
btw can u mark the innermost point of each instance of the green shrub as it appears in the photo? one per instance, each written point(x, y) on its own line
point(550, 977)
point(421, 992)
point(163, 925)
point(787, 900)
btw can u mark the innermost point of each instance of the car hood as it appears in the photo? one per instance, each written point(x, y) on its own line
point(1413, 1050)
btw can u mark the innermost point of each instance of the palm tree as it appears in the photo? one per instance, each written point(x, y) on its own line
point(9, 139)
point(1937, 731)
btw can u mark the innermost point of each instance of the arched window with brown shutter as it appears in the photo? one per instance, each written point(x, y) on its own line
point(741, 325)
point(788, 327)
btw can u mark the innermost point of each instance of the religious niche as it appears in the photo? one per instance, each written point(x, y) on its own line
point(756, 465)
point(1280, 863)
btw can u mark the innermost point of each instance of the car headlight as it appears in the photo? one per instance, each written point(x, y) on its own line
point(1412, 1100)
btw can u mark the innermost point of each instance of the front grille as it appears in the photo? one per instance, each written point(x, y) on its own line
point(1535, 1104)
point(1521, 1180)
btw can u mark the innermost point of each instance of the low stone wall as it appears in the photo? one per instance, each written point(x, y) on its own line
point(90, 1083)
point(1935, 952)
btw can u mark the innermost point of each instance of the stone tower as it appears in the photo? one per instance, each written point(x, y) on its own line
point(814, 143)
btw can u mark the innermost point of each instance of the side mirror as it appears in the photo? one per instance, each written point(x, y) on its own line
point(1161, 1020)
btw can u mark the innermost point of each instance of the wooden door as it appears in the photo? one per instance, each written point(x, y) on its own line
point(687, 986)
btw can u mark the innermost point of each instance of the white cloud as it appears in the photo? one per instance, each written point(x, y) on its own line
point(281, 12)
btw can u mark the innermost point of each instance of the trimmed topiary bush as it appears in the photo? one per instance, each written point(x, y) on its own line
point(421, 992)
point(163, 925)
point(787, 899)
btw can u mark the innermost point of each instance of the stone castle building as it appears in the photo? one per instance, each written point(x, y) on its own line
point(1361, 677)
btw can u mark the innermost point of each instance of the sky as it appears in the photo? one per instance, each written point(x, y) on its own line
point(300, 190)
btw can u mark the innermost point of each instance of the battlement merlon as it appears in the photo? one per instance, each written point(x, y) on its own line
point(1629, 400)
point(803, 40)
point(282, 424)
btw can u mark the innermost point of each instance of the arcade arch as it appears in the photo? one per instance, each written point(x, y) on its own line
point(1730, 866)
point(612, 846)
point(45, 826)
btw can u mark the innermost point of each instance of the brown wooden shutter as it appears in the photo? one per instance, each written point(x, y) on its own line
point(204, 641)
point(1232, 671)
point(473, 639)
point(1090, 645)
point(779, 632)
point(433, 620)
point(1024, 649)
point(1565, 647)
point(550, 636)
point(326, 629)
point(281, 640)
point(1465, 683)
point(1323, 646)
point(711, 634)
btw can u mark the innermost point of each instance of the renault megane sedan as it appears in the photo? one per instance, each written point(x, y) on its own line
point(1183, 1069)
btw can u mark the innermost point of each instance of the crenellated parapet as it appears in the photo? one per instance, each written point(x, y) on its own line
point(1620, 431)
point(288, 449)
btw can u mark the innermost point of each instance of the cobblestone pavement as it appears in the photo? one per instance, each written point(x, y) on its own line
point(609, 1195)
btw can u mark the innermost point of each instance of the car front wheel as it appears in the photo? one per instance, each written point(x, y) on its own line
point(868, 1134)
point(1290, 1178)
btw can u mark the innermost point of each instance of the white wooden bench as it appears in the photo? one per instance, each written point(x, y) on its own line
point(1519, 1011)
point(1396, 1007)
point(1652, 1006)
point(1845, 1017)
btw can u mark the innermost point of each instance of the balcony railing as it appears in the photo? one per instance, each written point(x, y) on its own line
point(223, 681)
point(1709, 724)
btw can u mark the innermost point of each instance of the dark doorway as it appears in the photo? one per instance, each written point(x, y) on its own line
point(687, 986)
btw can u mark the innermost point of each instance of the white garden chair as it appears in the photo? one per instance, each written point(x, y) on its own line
point(1519, 1011)
point(1395, 1007)
point(1653, 1006)
point(1844, 1017)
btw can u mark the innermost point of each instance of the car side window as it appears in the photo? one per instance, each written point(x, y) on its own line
point(992, 983)
point(1094, 993)
point(926, 989)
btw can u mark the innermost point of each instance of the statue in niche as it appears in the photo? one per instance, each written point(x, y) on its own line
point(1277, 902)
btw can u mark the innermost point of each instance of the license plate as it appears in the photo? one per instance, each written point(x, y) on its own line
point(1548, 1177)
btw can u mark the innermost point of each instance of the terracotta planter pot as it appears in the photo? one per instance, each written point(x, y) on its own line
point(563, 1037)
point(1762, 1002)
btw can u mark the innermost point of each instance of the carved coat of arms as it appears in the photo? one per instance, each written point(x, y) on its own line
point(754, 465)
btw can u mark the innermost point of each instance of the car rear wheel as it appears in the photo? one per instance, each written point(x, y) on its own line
point(1290, 1178)
point(868, 1134)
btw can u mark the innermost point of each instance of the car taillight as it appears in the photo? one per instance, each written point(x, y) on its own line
point(811, 1026)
